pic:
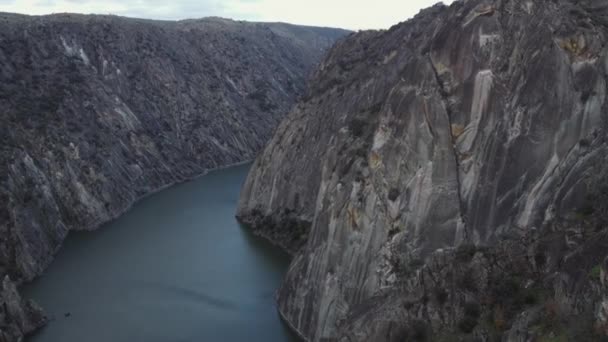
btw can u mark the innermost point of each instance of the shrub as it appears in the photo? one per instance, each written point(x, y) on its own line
point(595, 272)
point(416, 262)
point(467, 324)
point(561, 337)
point(531, 297)
point(584, 212)
point(441, 296)
point(357, 127)
point(465, 252)
point(467, 281)
point(472, 309)
point(540, 259)
point(598, 194)
point(552, 311)
point(418, 331)
point(499, 319)
point(506, 289)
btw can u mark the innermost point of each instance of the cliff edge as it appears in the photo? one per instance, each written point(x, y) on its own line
point(434, 184)
point(98, 111)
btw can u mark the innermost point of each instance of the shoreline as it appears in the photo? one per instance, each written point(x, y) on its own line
point(98, 225)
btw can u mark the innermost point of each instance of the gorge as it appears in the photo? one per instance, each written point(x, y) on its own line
point(99, 111)
point(444, 180)
point(176, 267)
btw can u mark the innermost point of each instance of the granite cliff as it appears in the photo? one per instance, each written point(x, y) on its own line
point(443, 180)
point(98, 111)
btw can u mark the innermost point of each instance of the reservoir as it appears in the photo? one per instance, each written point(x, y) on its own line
point(177, 267)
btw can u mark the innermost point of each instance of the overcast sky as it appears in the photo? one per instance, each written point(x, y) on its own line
point(351, 14)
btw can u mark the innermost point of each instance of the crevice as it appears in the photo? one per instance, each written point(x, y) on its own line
point(445, 99)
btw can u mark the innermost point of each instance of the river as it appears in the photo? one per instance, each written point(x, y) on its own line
point(177, 267)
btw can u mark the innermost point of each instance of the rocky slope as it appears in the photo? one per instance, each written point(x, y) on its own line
point(434, 185)
point(97, 111)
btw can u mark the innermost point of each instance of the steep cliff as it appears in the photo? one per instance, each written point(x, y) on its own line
point(434, 181)
point(97, 111)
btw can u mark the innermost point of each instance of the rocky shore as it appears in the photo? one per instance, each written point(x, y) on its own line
point(442, 179)
point(98, 111)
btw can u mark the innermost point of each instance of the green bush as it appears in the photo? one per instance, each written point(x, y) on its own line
point(441, 296)
point(467, 324)
point(357, 127)
point(595, 272)
point(465, 252)
point(561, 337)
point(418, 331)
point(466, 281)
point(472, 309)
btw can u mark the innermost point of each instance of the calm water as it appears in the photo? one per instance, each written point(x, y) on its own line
point(175, 268)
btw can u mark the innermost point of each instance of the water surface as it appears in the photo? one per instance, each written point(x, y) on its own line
point(175, 268)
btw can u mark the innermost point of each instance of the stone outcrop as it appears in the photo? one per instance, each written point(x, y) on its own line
point(472, 129)
point(17, 316)
point(98, 111)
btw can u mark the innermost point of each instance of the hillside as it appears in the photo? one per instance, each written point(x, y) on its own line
point(98, 111)
point(437, 183)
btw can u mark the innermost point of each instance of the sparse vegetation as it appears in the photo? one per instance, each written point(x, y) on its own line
point(552, 337)
point(465, 252)
point(441, 295)
point(457, 131)
point(595, 272)
point(466, 281)
point(467, 324)
point(498, 317)
point(418, 332)
point(357, 127)
point(573, 44)
point(598, 197)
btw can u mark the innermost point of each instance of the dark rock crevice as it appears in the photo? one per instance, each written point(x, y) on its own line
point(446, 102)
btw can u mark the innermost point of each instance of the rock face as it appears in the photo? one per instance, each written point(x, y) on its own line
point(428, 182)
point(17, 316)
point(97, 111)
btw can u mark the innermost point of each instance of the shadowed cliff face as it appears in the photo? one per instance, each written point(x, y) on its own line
point(472, 125)
point(97, 111)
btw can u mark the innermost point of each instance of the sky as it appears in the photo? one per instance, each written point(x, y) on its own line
point(349, 14)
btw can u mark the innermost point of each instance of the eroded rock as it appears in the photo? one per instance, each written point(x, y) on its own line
point(476, 124)
point(98, 111)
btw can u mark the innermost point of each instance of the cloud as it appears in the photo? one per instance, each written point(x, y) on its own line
point(38, 7)
point(352, 14)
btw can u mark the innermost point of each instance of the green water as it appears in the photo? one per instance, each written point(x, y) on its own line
point(176, 267)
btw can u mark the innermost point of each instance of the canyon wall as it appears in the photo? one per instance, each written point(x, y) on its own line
point(98, 111)
point(432, 181)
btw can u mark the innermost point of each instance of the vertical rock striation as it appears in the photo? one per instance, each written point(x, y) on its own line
point(474, 125)
point(98, 111)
